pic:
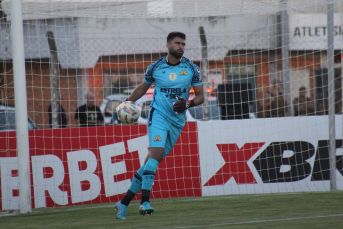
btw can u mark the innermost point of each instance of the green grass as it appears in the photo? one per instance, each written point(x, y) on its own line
point(299, 210)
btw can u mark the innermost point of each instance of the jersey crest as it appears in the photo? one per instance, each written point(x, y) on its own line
point(172, 76)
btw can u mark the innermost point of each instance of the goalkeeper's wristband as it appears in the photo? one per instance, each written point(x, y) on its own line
point(190, 103)
point(182, 105)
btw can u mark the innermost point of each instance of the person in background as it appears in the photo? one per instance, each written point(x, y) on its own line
point(89, 114)
point(273, 102)
point(264, 104)
point(61, 115)
point(303, 105)
point(278, 105)
point(323, 107)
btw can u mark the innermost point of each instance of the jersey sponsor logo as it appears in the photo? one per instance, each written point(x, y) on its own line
point(172, 93)
point(173, 90)
point(157, 138)
point(183, 72)
point(172, 76)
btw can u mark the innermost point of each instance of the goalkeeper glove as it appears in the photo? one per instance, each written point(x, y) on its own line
point(182, 105)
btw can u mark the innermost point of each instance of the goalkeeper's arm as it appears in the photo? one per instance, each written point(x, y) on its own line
point(182, 105)
point(139, 91)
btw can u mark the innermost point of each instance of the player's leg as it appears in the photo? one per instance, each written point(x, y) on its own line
point(135, 187)
point(173, 136)
point(157, 131)
point(155, 157)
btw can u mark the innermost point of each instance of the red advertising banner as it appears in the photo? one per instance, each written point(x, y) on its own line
point(95, 165)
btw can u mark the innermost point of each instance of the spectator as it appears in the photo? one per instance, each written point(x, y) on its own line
point(278, 105)
point(89, 114)
point(273, 102)
point(264, 105)
point(302, 104)
point(323, 107)
point(61, 115)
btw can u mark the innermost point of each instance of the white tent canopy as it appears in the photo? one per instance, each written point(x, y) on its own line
point(43, 9)
point(85, 30)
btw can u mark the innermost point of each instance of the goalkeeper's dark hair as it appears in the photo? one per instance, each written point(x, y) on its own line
point(172, 35)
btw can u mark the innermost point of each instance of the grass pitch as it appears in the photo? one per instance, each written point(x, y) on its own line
point(299, 210)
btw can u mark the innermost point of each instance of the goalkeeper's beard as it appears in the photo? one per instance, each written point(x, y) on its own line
point(176, 54)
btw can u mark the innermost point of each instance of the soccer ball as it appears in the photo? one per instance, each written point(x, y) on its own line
point(128, 112)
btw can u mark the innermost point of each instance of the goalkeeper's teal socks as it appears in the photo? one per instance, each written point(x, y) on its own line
point(144, 178)
point(137, 179)
point(148, 178)
point(136, 185)
point(149, 173)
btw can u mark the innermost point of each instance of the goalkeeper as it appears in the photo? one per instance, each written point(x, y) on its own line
point(173, 75)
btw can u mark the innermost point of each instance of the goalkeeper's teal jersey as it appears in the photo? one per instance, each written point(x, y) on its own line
point(172, 81)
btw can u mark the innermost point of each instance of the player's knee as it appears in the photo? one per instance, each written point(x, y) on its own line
point(156, 153)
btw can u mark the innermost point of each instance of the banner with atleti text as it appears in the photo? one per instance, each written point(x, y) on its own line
point(95, 165)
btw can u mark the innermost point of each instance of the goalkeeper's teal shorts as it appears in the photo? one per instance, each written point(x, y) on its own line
point(161, 132)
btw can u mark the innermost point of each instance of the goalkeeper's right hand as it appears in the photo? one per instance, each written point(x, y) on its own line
point(182, 105)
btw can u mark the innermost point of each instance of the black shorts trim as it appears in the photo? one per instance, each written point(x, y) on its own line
point(150, 115)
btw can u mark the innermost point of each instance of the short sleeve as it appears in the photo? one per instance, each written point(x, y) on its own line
point(197, 79)
point(149, 79)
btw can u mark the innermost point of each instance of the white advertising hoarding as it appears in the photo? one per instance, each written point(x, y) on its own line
point(309, 31)
point(267, 155)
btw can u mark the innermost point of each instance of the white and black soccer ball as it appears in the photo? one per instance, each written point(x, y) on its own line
point(128, 112)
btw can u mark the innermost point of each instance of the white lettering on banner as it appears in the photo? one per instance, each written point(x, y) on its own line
point(309, 31)
point(286, 154)
point(40, 184)
point(9, 183)
point(110, 169)
point(50, 182)
point(76, 176)
point(141, 145)
point(285, 168)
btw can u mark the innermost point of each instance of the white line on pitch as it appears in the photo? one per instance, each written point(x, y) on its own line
point(257, 221)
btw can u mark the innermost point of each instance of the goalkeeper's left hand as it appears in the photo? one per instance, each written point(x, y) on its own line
point(182, 105)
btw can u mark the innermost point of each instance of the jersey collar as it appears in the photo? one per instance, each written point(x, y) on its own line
point(173, 64)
